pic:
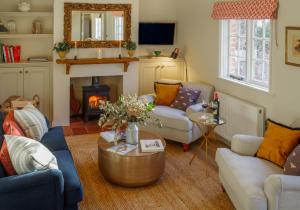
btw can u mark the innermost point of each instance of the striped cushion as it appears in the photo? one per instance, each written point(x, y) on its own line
point(28, 155)
point(32, 122)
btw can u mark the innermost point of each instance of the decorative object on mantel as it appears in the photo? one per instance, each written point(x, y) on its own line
point(86, 61)
point(38, 59)
point(75, 51)
point(61, 48)
point(130, 47)
point(128, 111)
point(175, 53)
point(24, 6)
point(3, 29)
point(292, 46)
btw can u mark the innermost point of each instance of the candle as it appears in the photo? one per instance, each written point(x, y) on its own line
point(76, 51)
point(120, 49)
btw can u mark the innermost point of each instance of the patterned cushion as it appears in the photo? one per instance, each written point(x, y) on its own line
point(292, 165)
point(28, 155)
point(185, 98)
point(32, 122)
point(6, 161)
point(10, 127)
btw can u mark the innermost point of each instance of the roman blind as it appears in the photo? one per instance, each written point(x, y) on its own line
point(245, 9)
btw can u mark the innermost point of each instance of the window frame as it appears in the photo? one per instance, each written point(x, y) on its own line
point(224, 56)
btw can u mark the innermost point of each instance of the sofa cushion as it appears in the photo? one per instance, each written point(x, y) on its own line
point(165, 93)
point(172, 118)
point(6, 161)
point(206, 90)
point(185, 98)
point(245, 175)
point(32, 122)
point(292, 165)
point(279, 142)
point(72, 185)
point(28, 155)
point(10, 126)
point(2, 173)
point(54, 139)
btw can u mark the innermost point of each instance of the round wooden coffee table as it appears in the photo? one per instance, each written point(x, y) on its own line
point(134, 169)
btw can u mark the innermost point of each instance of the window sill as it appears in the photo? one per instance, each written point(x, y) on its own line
point(254, 87)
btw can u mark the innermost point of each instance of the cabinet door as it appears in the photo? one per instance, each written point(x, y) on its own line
point(148, 75)
point(11, 83)
point(37, 82)
point(172, 70)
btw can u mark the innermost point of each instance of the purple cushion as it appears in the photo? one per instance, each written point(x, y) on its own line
point(292, 165)
point(185, 98)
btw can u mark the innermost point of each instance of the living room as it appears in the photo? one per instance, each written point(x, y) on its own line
point(138, 104)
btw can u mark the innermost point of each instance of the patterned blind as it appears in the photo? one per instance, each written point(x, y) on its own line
point(246, 9)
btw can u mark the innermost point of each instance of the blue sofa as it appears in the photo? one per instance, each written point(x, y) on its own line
point(43, 190)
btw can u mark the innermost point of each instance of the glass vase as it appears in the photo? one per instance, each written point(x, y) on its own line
point(132, 133)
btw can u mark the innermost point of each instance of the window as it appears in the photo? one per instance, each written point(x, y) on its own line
point(245, 52)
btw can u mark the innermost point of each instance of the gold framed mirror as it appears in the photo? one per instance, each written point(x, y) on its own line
point(97, 25)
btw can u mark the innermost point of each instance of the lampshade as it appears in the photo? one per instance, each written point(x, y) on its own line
point(2, 27)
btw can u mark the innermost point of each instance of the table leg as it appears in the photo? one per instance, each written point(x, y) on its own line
point(197, 152)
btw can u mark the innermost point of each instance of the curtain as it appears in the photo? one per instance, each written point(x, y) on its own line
point(245, 9)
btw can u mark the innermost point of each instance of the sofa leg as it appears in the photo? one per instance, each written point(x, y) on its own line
point(186, 147)
point(223, 189)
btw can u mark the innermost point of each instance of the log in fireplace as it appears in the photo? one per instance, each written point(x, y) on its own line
point(92, 95)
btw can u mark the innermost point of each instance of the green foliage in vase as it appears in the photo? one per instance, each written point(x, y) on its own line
point(129, 108)
point(130, 45)
point(62, 47)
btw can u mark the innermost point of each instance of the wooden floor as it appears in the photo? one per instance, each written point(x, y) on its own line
point(181, 187)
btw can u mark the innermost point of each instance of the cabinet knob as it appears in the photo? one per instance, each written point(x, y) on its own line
point(20, 72)
point(26, 72)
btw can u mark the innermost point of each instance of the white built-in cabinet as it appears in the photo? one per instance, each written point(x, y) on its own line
point(27, 81)
point(154, 69)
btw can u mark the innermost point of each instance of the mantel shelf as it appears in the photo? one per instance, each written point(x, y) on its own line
point(87, 61)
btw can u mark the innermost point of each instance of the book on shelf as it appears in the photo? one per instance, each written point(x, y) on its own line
point(122, 149)
point(38, 59)
point(152, 145)
point(9, 53)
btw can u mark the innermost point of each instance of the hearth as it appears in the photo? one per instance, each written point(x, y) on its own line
point(92, 95)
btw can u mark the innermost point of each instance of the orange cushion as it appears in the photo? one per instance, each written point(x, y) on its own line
point(278, 143)
point(10, 126)
point(6, 161)
point(166, 93)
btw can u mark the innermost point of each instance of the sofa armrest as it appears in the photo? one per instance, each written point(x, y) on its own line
point(245, 145)
point(194, 108)
point(282, 191)
point(149, 98)
point(38, 190)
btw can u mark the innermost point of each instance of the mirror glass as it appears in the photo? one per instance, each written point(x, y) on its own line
point(97, 25)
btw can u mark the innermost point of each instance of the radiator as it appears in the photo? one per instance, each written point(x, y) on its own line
point(241, 117)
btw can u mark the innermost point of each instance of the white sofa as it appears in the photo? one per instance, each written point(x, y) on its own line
point(176, 124)
point(253, 183)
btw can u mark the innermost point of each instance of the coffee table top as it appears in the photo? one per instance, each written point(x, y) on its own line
point(144, 135)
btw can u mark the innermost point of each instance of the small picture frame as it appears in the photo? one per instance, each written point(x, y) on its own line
point(292, 46)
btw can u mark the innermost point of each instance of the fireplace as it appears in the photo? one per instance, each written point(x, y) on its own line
point(91, 97)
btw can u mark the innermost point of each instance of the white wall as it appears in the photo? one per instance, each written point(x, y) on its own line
point(61, 81)
point(199, 37)
point(157, 11)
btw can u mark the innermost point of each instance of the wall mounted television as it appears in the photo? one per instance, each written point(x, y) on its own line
point(156, 33)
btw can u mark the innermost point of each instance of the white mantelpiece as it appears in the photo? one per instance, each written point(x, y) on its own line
point(61, 81)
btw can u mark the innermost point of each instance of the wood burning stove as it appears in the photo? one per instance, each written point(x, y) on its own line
point(92, 95)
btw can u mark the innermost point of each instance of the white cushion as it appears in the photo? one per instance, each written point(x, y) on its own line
point(32, 122)
point(245, 175)
point(172, 118)
point(28, 155)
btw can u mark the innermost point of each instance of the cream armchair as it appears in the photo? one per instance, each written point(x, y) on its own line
point(176, 124)
point(253, 183)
